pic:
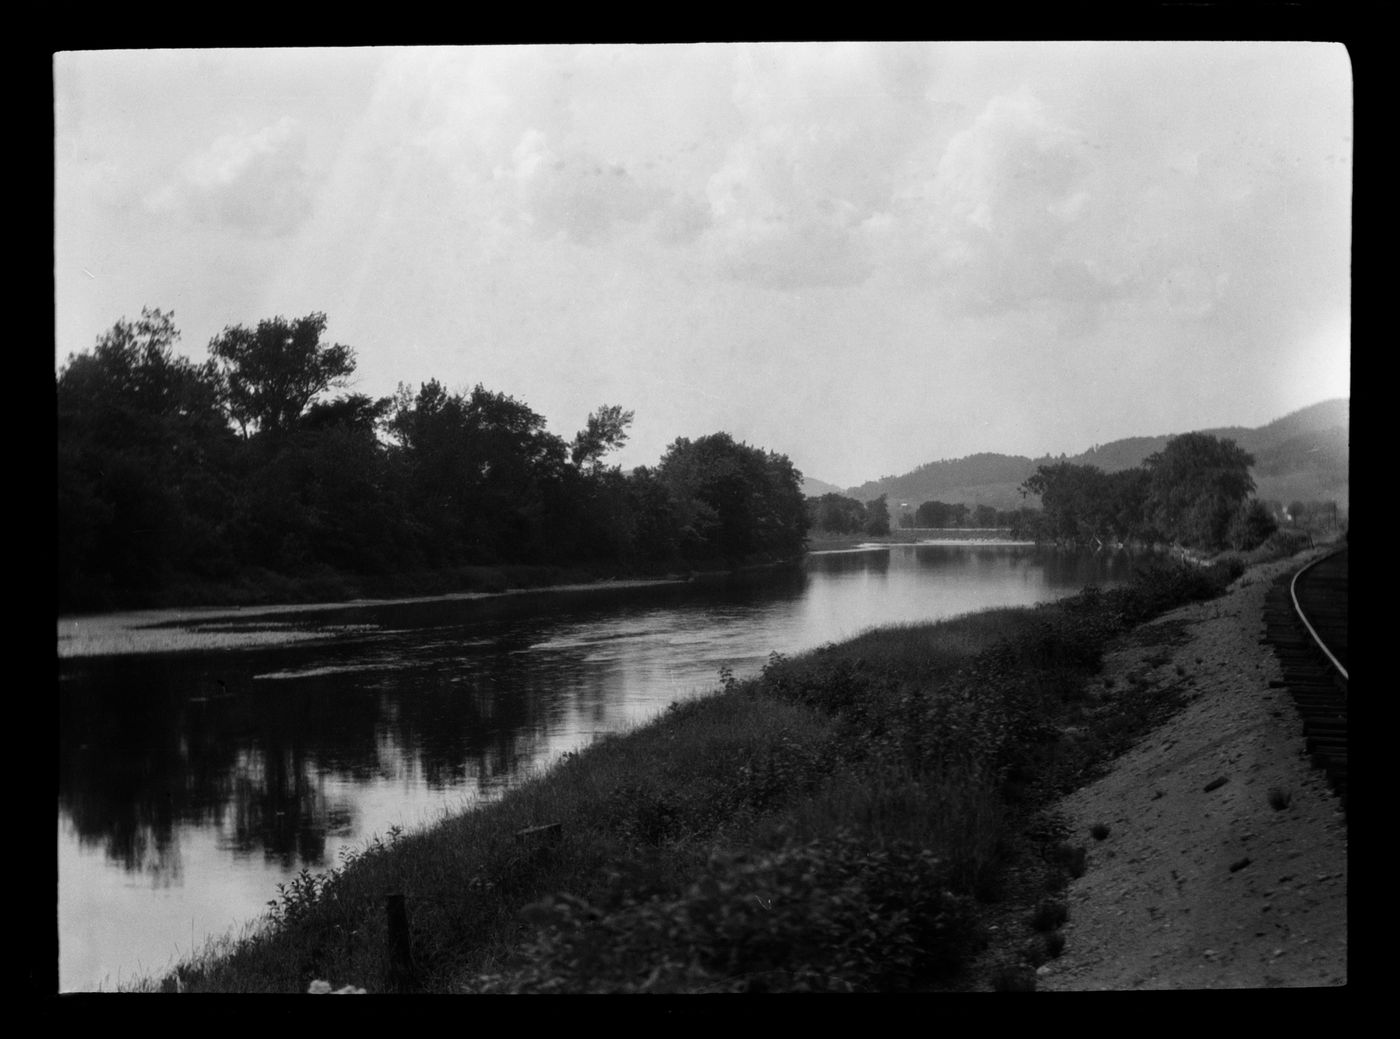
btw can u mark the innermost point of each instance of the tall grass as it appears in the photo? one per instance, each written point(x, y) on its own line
point(828, 824)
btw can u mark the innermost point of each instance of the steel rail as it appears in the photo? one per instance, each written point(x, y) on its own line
point(1298, 609)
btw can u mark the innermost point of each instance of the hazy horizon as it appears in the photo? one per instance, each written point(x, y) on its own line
point(867, 257)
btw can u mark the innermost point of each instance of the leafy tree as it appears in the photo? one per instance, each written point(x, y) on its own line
point(482, 471)
point(877, 523)
point(1251, 526)
point(654, 515)
point(931, 514)
point(1195, 486)
point(1076, 501)
point(516, 465)
point(327, 495)
point(940, 514)
point(272, 373)
point(355, 411)
point(606, 431)
point(144, 465)
point(733, 501)
point(1127, 503)
point(836, 513)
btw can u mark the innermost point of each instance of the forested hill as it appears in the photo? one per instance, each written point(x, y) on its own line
point(816, 488)
point(1302, 456)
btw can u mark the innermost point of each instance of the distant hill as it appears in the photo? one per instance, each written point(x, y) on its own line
point(1302, 456)
point(816, 488)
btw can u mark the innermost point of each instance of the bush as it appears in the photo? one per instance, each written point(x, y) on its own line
point(1287, 542)
point(831, 915)
point(1159, 585)
point(1251, 526)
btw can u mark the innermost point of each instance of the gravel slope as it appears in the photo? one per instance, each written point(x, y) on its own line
point(1198, 889)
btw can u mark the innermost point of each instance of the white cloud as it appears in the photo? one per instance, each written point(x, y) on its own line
point(824, 136)
point(255, 182)
point(578, 194)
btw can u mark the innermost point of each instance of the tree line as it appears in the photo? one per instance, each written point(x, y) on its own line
point(173, 474)
point(1194, 493)
point(839, 515)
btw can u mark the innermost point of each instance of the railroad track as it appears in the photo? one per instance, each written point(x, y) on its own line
point(1305, 621)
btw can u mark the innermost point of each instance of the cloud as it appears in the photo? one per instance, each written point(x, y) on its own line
point(577, 194)
point(823, 137)
point(255, 182)
point(1006, 206)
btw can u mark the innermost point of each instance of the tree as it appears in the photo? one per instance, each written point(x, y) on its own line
point(733, 501)
point(877, 513)
point(272, 373)
point(482, 472)
point(1195, 486)
point(606, 431)
point(939, 514)
point(144, 464)
point(1251, 526)
point(836, 513)
point(1077, 501)
point(354, 411)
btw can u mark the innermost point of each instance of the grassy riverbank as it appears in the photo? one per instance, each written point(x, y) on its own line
point(847, 820)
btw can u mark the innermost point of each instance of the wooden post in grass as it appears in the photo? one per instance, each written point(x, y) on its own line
point(401, 974)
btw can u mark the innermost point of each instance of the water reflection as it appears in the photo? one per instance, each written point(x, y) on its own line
point(214, 775)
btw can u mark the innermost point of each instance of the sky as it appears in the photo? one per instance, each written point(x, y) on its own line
point(865, 256)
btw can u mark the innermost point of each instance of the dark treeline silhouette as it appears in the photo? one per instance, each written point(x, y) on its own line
point(175, 478)
point(1195, 492)
point(837, 514)
point(946, 514)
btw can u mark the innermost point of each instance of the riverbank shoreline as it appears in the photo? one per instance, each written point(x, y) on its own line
point(177, 629)
point(1225, 861)
point(821, 765)
point(182, 628)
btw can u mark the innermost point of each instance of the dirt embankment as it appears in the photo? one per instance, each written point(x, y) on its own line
point(1200, 883)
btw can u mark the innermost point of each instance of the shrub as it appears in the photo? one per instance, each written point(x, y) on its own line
point(829, 915)
point(1251, 526)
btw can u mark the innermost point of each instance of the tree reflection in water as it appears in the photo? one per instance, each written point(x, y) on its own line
point(264, 761)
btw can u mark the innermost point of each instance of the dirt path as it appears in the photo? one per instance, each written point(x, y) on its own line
point(1197, 888)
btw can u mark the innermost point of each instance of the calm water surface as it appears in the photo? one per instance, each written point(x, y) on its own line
point(192, 783)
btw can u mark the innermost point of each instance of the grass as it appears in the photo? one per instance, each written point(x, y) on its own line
point(831, 824)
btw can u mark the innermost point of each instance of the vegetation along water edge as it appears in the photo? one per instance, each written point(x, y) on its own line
point(845, 820)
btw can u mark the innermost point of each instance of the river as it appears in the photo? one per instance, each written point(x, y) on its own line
point(194, 780)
